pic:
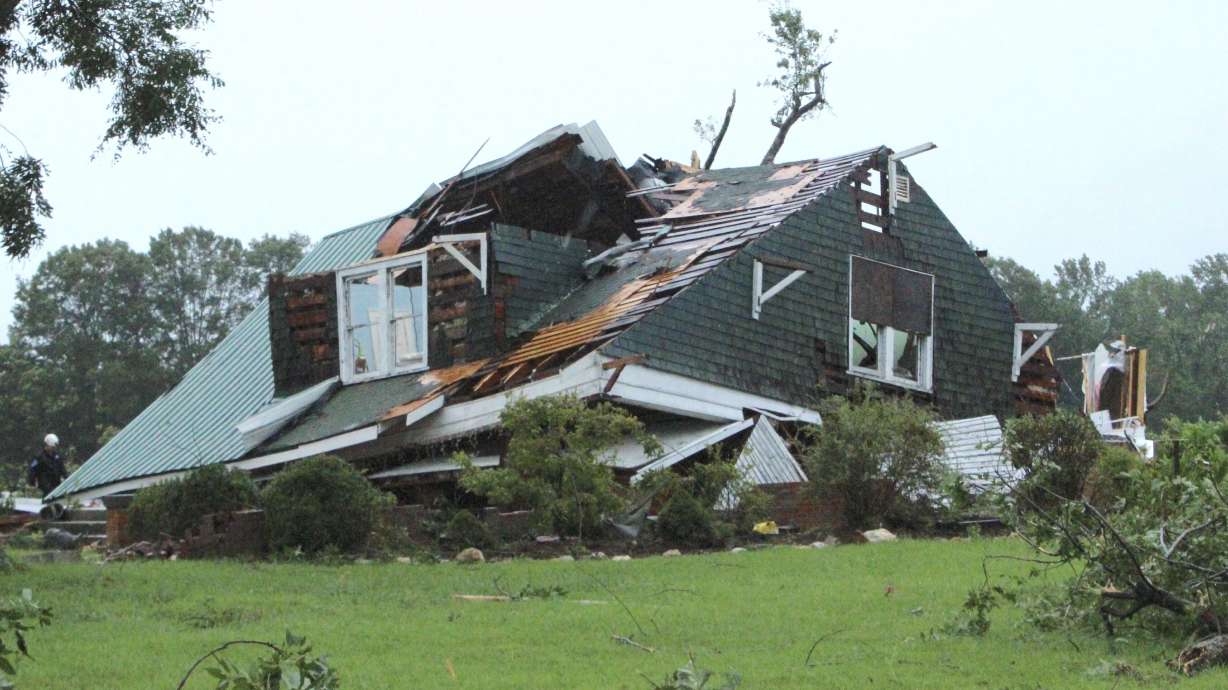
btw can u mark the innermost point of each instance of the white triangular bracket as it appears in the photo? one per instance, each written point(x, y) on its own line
point(759, 296)
point(448, 242)
point(1043, 331)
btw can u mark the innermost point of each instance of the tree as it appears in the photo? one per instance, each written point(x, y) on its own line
point(268, 255)
point(133, 46)
point(709, 133)
point(100, 330)
point(84, 321)
point(801, 78)
point(196, 287)
point(1160, 549)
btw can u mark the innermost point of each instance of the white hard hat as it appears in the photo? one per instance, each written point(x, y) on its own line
point(51, 440)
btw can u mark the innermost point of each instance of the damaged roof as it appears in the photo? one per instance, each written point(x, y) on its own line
point(681, 231)
point(194, 423)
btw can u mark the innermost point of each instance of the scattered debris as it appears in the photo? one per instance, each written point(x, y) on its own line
point(56, 538)
point(876, 536)
point(621, 639)
point(1202, 655)
point(767, 527)
point(470, 555)
point(481, 597)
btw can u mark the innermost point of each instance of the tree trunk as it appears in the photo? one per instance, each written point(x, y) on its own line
point(1199, 656)
point(781, 132)
point(720, 136)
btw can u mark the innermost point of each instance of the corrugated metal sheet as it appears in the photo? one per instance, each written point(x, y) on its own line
point(766, 459)
point(698, 445)
point(673, 436)
point(973, 447)
point(194, 423)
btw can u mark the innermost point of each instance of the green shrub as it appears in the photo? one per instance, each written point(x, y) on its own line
point(684, 520)
point(321, 503)
point(467, 529)
point(1114, 477)
point(877, 459)
point(1056, 452)
point(1203, 446)
point(177, 505)
point(695, 511)
point(556, 462)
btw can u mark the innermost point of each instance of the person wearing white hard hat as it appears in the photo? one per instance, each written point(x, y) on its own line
point(47, 470)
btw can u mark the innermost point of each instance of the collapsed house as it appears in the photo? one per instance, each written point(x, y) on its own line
point(717, 305)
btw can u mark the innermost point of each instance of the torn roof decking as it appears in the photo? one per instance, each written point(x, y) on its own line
point(687, 244)
point(717, 214)
point(566, 180)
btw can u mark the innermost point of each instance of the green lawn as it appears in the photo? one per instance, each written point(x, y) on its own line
point(131, 626)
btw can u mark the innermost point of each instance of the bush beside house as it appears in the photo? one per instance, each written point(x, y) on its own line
point(175, 506)
point(321, 503)
point(878, 459)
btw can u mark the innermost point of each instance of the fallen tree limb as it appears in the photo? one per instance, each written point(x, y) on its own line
point(621, 639)
point(1202, 655)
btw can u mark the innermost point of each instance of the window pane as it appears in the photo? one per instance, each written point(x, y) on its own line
point(408, 317)
point(361, 350)
point(907, 355)
point(864, 352)
point(362, 295)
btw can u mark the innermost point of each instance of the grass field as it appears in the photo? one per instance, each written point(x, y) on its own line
point(132, 626)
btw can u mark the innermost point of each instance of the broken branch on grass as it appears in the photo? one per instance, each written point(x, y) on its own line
point(211, 653)
point(816, 644)
point(616, 598)
point(623, 639)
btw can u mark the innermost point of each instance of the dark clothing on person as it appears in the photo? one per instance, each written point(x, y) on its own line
point(47, 471)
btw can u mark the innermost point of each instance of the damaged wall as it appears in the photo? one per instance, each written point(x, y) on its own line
point(302, 330)
point(798, 348)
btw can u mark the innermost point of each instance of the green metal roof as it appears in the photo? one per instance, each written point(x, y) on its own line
point(194, 423)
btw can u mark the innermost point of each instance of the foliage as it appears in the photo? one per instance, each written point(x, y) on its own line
point(800, 77)
point(1159, 548)
point(877, 458)
point(466, 529)
point(174, 506)
point(707, 504)
point(557, 462)
point(290, 666)
point(320, 502)
point(17, 618)
point(21, 205)
point(134, 46)
point(1203, 446)
point(1112, 479)
point(100, 330)
point(1056, 451)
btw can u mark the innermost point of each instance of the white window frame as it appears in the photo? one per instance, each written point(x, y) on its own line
point(381, 331)
point(886, 344)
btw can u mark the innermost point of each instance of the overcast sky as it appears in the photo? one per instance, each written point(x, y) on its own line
point(1062, 128)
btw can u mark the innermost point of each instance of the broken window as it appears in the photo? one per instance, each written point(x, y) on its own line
point(383, 318)
point(890, 323)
